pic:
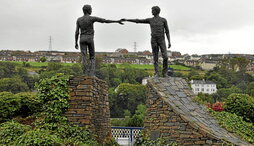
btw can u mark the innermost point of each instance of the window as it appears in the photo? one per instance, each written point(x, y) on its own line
point(202, 89)
point(207, 90)
point(197, 89)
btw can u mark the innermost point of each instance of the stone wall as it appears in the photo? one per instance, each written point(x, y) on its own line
point(89, 106)
point(171, 114)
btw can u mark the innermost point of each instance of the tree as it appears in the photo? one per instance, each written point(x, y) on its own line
point(43, 59)
point(126, 96)
point(223, 93)
point(7, 69)
point(14, 85)
point(218, 79)
point(242, 63)
point(54, 66)
point(250, 89)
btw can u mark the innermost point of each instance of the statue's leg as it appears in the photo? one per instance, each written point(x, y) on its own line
point(92, 57)
point(155, 50)
point(163, 48)
point(84, 58)
point(83, 49)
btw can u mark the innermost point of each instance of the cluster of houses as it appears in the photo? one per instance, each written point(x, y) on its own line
point(120, 56)
point(28, 56)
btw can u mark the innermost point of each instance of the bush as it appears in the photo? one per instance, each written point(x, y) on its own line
point(202, 98)
point(241, 105)
point(144, 140)
point(14, 85)
point(73, 134)
point(38, 137)
point(9, 105)
point(136, 121)
point(10, 131)
point(53, 92)
point(223, 93)
point(69, 134)
point(235, 124)
point(218, 106)
point(30, 103)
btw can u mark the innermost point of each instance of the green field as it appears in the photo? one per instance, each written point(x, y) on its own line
point(148, 67)
point(138, 66)
point(38, 64)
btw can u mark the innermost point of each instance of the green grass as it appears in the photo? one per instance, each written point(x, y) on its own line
point(148, 67)
point(138, 66)
point(38, 64)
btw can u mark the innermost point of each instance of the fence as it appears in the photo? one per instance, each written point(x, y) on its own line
point(126, 135)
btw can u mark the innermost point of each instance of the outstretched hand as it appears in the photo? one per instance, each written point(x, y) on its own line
point(123, 19)
point(120, 22)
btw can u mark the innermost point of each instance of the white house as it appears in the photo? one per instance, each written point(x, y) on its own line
point(203, 86)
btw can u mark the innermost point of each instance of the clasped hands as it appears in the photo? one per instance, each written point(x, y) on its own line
point(121, 21)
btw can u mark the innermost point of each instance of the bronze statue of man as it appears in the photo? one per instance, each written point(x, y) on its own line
point(84, 27)
point(159, 27)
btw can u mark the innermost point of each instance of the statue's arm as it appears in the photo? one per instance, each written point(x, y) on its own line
point(167, 33)
point(137, 20)
point(76, 35)
point(101, 20)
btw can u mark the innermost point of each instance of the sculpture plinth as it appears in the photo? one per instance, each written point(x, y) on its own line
point(89, 106)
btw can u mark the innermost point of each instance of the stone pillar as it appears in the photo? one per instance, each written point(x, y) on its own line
point(89, 106)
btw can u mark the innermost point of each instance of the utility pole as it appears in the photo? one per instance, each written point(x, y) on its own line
point(50, 43)
point(135, 46)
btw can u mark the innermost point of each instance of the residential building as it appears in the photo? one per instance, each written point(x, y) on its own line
point(203, 86)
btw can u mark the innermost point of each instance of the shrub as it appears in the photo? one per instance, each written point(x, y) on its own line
point(38, 137)
point(69, 133)
point(74, 134)
point(218, 106)
point(30, 103)
point(235, 124)
point(144, 140)
point(10, 131)
point(14, 85)
point(241, 105)
point(136, 121)
point(53, 92)
point(223, 93)
point(9, 105)
point(202, 98)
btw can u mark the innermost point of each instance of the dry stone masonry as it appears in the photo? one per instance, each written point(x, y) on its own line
point(173, 115)
point(89, 106)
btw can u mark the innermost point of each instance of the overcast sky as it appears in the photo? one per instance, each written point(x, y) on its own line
point(196, 26)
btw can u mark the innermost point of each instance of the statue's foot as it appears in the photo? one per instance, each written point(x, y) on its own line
point(156, 75)
point(165, 75)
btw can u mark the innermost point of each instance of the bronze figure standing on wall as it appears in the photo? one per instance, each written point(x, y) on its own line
point(84, 28)
point(159, 27)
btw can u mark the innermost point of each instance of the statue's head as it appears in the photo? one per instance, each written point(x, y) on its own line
point(87, 9)
point(156, 10)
